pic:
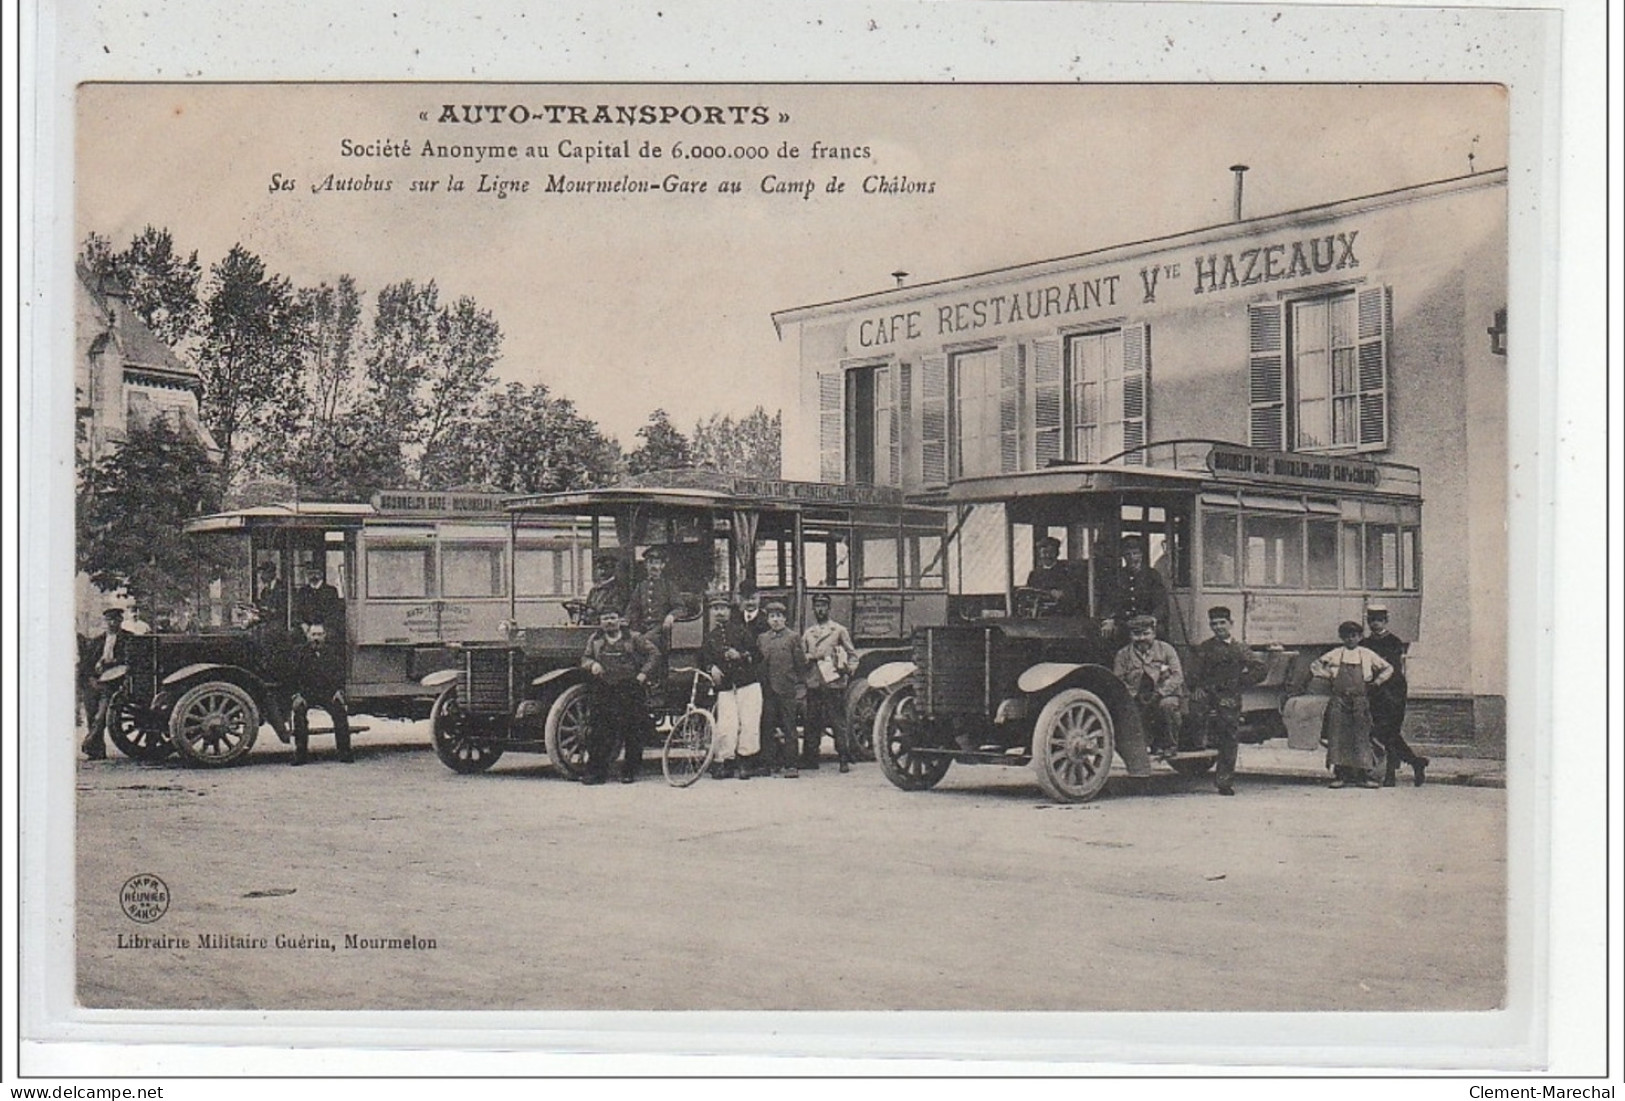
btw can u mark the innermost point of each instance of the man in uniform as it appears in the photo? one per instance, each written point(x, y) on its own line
point(316, 676)
point(1388, 698)
point(1140, 591)
point(319, 602)
point(622, 664)
point(784, 671)
point(270, 595)
point(1223, 665)
point(1150, 669)
point(96, 656)
point(730, 656)
point(608, 591)
point(831, 655)
point(1054, 579)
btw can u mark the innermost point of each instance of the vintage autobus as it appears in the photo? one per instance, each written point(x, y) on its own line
point(414, 572)
point(1293, 544)
point(880, 561)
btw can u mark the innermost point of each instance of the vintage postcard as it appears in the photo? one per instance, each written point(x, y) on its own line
point(718, 548)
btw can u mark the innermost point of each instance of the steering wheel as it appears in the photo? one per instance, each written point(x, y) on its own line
point(1031, 603)
point(576, 610)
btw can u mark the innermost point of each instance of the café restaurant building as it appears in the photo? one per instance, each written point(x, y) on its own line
point(1367, 330)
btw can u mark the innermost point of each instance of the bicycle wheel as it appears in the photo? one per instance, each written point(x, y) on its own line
point(688, 749)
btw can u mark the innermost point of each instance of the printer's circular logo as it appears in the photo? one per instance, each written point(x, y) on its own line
point(145, 898)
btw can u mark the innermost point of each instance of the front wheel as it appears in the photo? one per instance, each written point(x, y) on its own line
point(689, 748)
point(896, 734)
point(136, 732)
point(862, 702)
point(214, 724)
point(566, 729)
point(454, 743)
point(1073, 741)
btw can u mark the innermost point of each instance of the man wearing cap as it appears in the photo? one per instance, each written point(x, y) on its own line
point(1223, 665)
point(831, 655)
point(1388, 698)
point(1151, 671)
point(96, 656)
point(607, 591)
point(1054, 579)
point(270, 595)
point(621, 664)
point(730, 656)
point(783, 675)
point(655, 600)
point(1140, 590)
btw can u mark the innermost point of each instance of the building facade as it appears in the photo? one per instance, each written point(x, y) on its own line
point(1367, 328)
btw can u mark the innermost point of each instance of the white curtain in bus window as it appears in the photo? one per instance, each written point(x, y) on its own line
point(1352, 552)
point(1381, 556)
point(400, 570)
point(1409, 578)
point(877, 559)
point(925, 560)
point(1219, 547)
point(472, 563)
point(1274, 550)
point(541, 571)
point(1320, 538)
point(978, 558)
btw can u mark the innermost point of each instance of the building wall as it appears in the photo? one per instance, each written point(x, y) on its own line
point(1440, 249)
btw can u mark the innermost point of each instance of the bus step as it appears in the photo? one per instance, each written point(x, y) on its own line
point(328, 730)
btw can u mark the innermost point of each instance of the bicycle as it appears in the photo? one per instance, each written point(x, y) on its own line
point(691, 742)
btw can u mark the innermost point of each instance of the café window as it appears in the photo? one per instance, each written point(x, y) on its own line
point(873, 438)
point(1107, 383)
point(1318, 372)
point(977, 383)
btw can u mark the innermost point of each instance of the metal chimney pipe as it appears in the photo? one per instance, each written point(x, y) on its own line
point(1239, 170)
point(899, 276)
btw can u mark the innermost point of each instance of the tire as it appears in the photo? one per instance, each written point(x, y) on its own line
point(214, 724)
point(895, 731)
point(457, 748)
point(565, 733)
point(689, 749)
point(862, 702)
point(1073, 742)
point(136, 732)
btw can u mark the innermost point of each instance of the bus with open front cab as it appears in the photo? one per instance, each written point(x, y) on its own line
point(1291, 543)
point(879, 559)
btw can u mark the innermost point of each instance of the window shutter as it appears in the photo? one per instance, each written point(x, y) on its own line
point(1376, 319)
point(1136, 389)
point(1009, 408)
point(905, 419)
point(934, 420)
point(885, 428)
point(1266, 377)
point(831, 426)
point(1047, 402)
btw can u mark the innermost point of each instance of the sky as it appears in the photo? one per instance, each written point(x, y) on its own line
point(629, 302)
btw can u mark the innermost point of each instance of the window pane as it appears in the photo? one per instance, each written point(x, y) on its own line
point(878, 561)
point(775, 566)
point(1351, 557)
point(399, 571)
point(1381, 557)
point(925, 561)
point(829, 564)
point(1274, 550)
point(1407, 559)
point(1218, 548)
point(1321, 538)
point(536, 571)
point(470, 569)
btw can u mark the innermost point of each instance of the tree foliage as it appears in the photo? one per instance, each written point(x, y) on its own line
point(752, 445)
point(663, 447)
point(132, 506)
point(160, 284)
point(524, 440)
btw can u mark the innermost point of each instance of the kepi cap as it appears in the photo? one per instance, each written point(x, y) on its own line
point(718, 600)
point(1376, 611)
point(1219, 611)
point(774, 606)
point(1141, 622)
point(112, 613)
point(655, 554)
point(820, 598)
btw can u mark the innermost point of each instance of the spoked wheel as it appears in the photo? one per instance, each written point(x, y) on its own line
point(214, 724)
point(1072, 745)
point(565, 734)
point(454, 742)
point(689, 749)
point(896, 732)
point(862, 702)
point(136, 732)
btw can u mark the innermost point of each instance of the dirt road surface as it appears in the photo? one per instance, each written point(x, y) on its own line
point(518, 890)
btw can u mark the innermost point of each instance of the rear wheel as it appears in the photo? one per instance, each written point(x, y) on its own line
point(136, 732)
point(565, 734)
point(454, 742)
point(1072, 745)
point(862, 702)
point(214, 724)
point(896, 734)
point(689, 748)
